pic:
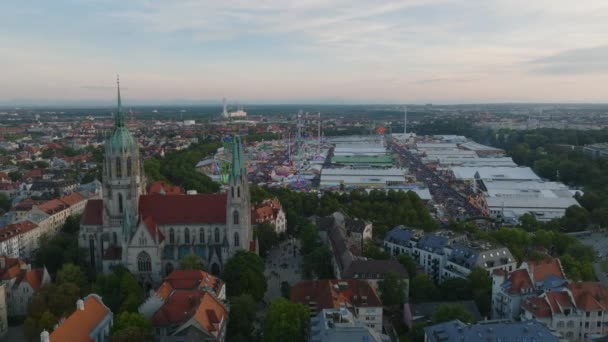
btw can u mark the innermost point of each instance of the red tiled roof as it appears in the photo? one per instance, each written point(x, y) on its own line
point(520, 280)
point(78, 326)
point(11, 269)
point(193, 279)
point(325, 294)
point(558, 301)
point(167, 189)
point(15, 229)
point(537, 306)
point(72, 198)
point(33, 277)
point(93, 213)
point(186, 304)
point(150, 224)
point(180, 209)
point(544, 268)
point(53, 206)
point(589, 296)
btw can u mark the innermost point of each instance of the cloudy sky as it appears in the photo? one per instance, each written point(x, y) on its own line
point(317, 51)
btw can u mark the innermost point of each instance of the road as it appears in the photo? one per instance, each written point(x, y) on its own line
point(282, 265)
point(455, 203)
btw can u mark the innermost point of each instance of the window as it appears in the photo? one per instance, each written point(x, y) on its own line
point(201, 235)
point(144, 263)
point(232, 189)
point(187, 235)
point(129, 167)
point(114, 238)
point(118, 168)
point(120, 203)
point(171, 236)
point(238, 192)
point(217, 235)
point(237, 242)
point(235, 217)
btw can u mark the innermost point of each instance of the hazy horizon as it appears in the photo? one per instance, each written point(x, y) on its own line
point(68, 52)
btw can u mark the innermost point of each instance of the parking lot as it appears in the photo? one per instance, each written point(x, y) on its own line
point(283, 263)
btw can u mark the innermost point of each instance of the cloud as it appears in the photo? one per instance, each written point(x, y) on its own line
point(445, 79)
point(578, 61)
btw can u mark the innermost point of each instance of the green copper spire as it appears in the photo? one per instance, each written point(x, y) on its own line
point(237, 158)
point(119, 119)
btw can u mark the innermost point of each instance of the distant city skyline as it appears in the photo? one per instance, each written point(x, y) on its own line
point(318, 51)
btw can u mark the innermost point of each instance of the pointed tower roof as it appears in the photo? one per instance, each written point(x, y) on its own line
point(237, 158)
point(119, 118)
point(121, 140)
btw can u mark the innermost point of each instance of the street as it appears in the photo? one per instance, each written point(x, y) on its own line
point(282, 265)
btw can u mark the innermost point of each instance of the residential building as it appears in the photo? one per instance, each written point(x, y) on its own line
point(335, 325)
point(91, 322)
point(191, 315)
point(374, 271)
point(182, 280)
point(21, 283)
point(489, 331)
point(423, 312)
point(3, 311)
point(432, 250)
point(270, 211)
point(352, 294)
point(401, 240)
point(532, 278)
point(578, 310)
point(465, 255)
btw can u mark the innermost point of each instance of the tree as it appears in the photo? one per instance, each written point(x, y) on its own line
point(266, 236)
point(448, 312)
point(191, 261)
point(244, 273)
point(285, 321)
point(71, 273)
point(5, 202)
point(370, 250)
point(393, 290)
point(48, 304)
point(456, 289)
point(242, 317)
point(120, 290)
point(423, 289)
point(132, 327)
point(409, 264)
point(481, 285)
point(15, 175)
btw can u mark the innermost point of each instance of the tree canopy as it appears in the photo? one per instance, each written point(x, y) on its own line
point(244, 274)
point(285, 321)
point(120, 290)
point(191, 261)
point(393, 290)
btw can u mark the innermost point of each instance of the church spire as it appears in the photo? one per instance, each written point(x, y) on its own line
point(119, 119)
point(237, 158)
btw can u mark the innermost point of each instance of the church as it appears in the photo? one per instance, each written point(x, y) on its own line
point(150, 233)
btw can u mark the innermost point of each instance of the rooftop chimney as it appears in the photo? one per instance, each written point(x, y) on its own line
point(44, 336)
point(80, 304)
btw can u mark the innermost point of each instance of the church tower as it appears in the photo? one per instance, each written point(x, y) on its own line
point(238, 207)
point(123, 177)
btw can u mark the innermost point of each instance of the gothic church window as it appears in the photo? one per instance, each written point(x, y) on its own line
point(235, 217)
point(238, 192)
point(118, 168)
point(232, 189)
point(171, 236)
point(187, 235)
point(217, 235)
point(144, 262)
point(202, 235)
point(120, 207)
point(129, 167)
point(237, 241)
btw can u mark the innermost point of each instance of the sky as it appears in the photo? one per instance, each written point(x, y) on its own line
point(317, 51)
